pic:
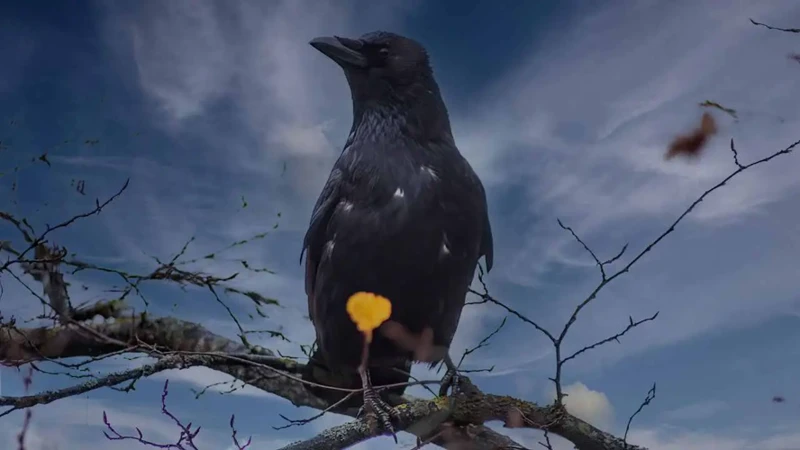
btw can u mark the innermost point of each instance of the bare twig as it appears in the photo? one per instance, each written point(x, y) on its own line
point(651, 394)
point(546, 444)
point(49, 229)
point(608, 279)
point(735, 155)
point(185, 438)
point(483, 343)
point(487, 298)
point(787, 30)
point(27, 381)
point(631, 325)
point(297, 422)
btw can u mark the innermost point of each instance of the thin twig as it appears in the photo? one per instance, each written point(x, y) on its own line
point(651, 394)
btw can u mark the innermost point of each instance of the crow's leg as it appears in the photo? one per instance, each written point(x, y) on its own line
point(451, 377)
point(460, 384)
point(375, 410)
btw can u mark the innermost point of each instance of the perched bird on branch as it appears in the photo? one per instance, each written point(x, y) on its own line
point(402, 215)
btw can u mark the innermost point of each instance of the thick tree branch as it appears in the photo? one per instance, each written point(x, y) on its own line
point(474, 407)
point(173, 339)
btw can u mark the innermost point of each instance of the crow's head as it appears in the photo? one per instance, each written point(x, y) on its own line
point(381, 65)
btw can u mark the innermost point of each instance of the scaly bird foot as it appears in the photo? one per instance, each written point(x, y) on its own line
point(460, 384)
point(378, 414)
point(450, 379)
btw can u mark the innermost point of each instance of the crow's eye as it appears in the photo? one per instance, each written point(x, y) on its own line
point(384, 52)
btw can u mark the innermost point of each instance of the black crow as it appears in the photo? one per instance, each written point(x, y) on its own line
point(402, 215)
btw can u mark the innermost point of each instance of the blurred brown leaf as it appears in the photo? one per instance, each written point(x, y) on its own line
point(690, 145)
point(421, 345)
point(514, 419)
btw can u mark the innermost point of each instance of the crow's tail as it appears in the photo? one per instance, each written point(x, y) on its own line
point(317, 371)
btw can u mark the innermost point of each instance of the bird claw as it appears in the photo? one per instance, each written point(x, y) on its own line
point(378, 414)
point(451, 379)
point(458, 384)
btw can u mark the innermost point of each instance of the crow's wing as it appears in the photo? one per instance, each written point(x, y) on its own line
point(487, 241)
point(459, 274)
point(379, 204)
point(314, 239)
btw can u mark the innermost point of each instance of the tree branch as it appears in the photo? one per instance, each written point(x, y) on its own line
point(473, 407)
point(172, 338)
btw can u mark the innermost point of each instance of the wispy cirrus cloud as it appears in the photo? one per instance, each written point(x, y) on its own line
point(588, 149)
point(580, 129)
point(238, 110)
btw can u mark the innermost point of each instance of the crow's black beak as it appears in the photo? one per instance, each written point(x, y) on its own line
point(342, 50)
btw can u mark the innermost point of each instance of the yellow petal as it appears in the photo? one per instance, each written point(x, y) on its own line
point(368, 311)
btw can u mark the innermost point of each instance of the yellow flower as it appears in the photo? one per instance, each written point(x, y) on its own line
point(368, 311)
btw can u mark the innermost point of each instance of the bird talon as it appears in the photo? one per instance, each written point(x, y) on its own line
point(378, 414)
point(451, 379)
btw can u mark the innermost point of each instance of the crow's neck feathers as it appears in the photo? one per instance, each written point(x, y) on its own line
point(415, 111)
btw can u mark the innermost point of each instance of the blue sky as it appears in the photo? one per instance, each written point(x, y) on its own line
point(564, 111)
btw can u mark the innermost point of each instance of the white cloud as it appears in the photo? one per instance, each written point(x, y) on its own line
point(168, 66)
point(189, 55)
point(302, 140)
point(587, 404)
